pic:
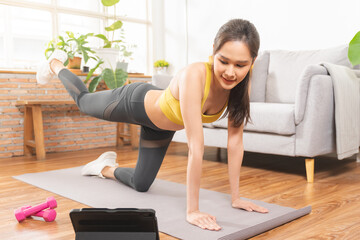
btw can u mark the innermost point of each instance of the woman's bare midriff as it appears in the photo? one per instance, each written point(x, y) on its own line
point(213, 104)
point(153, 110)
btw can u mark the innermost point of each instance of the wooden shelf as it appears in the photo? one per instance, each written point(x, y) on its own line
point(77, 72)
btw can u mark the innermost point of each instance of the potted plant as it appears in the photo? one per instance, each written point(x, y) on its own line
point(354, 50)
point(125, 55)
point(112, 48)
point(74, 46)
point(161, 66)
point(78, 49)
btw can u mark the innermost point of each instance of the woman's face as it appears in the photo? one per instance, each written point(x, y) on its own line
point(231, 64)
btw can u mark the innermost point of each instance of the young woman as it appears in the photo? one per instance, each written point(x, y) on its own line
point(197, 94)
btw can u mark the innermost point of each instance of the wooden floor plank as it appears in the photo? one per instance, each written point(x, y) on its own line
point(334, 195)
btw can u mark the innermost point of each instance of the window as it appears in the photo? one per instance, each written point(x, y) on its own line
point(85, 5)
point(30, 25)
point(127, 8)
point(29, 30)
point(2, 35)
point(38, 1)
point(135, 41)
point(81, 25)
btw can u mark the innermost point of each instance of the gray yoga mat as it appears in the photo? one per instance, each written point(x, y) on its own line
point(168, 199)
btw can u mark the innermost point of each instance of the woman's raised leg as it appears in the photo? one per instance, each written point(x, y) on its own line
point(99, 104)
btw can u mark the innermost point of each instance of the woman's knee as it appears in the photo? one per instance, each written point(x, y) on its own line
point(141, 186)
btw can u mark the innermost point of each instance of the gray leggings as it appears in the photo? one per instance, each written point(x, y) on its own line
point(125, 104)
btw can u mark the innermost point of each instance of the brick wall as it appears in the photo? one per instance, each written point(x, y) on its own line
point(65, 128)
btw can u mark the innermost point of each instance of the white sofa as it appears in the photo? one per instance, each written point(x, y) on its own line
point(291, 106)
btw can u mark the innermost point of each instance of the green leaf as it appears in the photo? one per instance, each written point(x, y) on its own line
point(354, 50)
point(87, 49)
point(109, 3)
point(70, 34)
point(94, 83)
point(91, 57)
point(114, 79)
point(62, 39)
point(93, 70)
point(102, 36)
point(86, 56)
point(62, 44)
point(89, 34)
point(48, 52)
point(114, 26)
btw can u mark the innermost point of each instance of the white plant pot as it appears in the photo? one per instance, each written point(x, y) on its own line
point(110, 57)
point(122, 65)
point(161, 70)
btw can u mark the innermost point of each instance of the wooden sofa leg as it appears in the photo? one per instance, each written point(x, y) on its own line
point(218, 154)
point(309, 163)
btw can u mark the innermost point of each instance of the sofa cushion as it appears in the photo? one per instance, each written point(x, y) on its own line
point(285, 68)
point(259, 76)
point(276, 118)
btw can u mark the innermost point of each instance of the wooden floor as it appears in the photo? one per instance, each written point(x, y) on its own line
point(334, 196)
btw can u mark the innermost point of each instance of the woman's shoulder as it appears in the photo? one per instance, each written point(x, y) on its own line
point(196, 66)
point(197, 69)
point(190, 73)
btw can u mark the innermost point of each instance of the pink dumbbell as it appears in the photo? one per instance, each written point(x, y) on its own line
point(48, 215)
point(21, 214)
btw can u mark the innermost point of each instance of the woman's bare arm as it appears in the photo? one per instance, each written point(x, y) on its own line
point(191, 87)
point(235, 158)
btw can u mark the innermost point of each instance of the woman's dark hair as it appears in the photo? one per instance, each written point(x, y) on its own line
point(239, 101)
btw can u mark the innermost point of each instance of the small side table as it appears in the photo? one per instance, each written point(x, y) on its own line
point(33, 125)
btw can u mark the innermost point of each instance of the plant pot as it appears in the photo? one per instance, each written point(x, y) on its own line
point(122, 65)
point(85, 69)
point(109, 55)
point(74, 63)
point(161, 70)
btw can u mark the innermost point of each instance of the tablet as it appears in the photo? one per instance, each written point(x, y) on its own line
point(118, 223)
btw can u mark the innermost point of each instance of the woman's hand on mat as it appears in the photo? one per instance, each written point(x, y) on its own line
point(202, 220)
point(248, 206)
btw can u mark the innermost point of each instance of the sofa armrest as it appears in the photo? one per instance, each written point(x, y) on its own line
point(315, 134)
point(259, 76)
point(357, 72)
point(303, 88)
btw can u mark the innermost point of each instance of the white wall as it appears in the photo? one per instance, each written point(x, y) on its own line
point(191, 25)
point(169, 32)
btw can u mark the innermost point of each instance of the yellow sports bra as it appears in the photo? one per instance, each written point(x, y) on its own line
point(170, 106)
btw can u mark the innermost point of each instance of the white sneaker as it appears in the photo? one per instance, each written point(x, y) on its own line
point(95, 167)
point(44, 74)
